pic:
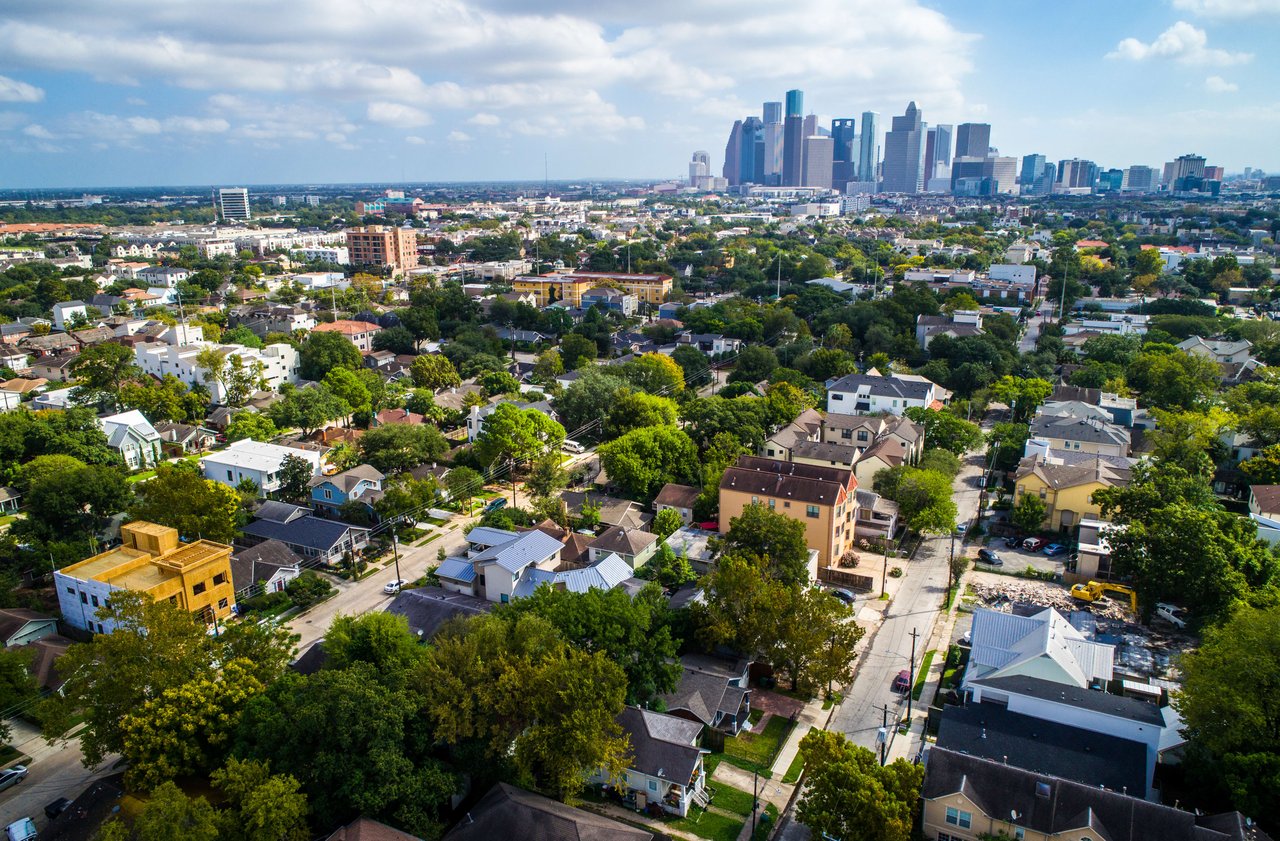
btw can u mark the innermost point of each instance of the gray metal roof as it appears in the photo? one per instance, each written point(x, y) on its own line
point(514, 555)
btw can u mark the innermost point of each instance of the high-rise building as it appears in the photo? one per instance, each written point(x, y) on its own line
point(1110, 180)
point(1004, 173)
point(233, 203)
point(732, 170)
point(383, 245)
point(973, 140)
point(937, 153)
point(1141, 179)
point(751, 155)
point(793, 140)
point(817, 161)
point(1186, 166)
point(699, 168)
point(1032, 173)
point(904, 153)
point(1076, 176)
point(844, 133)
point(773, 154)
point(772, 113)
point(869, 147)
point(1214, 173)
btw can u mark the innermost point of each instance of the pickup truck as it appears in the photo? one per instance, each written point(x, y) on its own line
point(1171, 614)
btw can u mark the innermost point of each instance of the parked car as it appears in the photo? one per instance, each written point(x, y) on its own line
point(12, 776)
point(1055, 549)
point(1033, 544)
point(393, 587)
point(23, 829)
point(1171, 613)
point(961, 528)
point(495, 504)
point(986, 556)
point(843, 595)
point(902, 682)
point(1012, 542)
point(57, 807)
point(571, 446)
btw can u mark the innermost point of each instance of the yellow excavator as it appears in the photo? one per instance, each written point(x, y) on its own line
point(1095, 590)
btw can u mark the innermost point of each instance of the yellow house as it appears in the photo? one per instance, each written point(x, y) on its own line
point(195, 576)
point(650, 288)
point(1067, 488)
point(548, 289)
point(823, 498)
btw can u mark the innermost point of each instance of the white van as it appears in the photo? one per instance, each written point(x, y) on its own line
point(21, 830)
point(571, 446)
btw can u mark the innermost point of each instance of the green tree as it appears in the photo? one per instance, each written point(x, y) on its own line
point(261, 806)
point(1167, 378)
point(17, 685)
point(590, 398)
point(632, 632)
point(784, 402)
point(1006, 443)
point(644, 460)
point(307, 409)
point(325, 350)
point(101, 370)
point(72, 432)
point(850, 795)
point(241, 335)
point(941, 461)
point(187, 729)
point(180, 497)
point(1191, 439)
point(170, 815)
point(347, 386)
point(396, 339)
point(549, 366)
point(635, 410)
point(772, 542)
point(925, 498)
point(668, 568)
point(576, 350)
point(494, 383)
point(510, 432)
point(253, 425)
point(383, 640)
point(295, 477)
point(1023, 395)
point(463, 483)
point(1264, 468)
point(72, 501)
point(695, 364)
point(434, 371)
point(168, 399)
point(754, 363)
point(814, 641)
point(943, 430)
point(546, 476)
point(666, 523)
point(1029, 513)
point(396, 447)
point(655, 373)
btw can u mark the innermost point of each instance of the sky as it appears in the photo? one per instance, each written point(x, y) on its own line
point(144, 92)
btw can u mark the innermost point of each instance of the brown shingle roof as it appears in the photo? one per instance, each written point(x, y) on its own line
point(790, 480)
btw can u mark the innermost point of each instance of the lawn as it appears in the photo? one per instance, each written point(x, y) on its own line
point(922, 674)
point(765, 822)
point(731, 799)
point(794, 769)
point(756, 751)
point(708, 825)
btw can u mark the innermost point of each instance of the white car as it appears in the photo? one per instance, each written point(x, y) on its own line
point(21, 830)
point(12, 776)
point(1172, 614)
point(393, 587)
point(570, 446)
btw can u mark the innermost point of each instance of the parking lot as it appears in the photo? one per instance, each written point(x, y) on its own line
point(1018, 559)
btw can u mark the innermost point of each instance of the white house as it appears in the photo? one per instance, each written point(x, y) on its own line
point(475, 420)
point(666, 764)
point(1119, 324)
point(1221, 351)
point(871, 393)
point(164, 277)
point(254, 460)
point(68, 311)
point(279, 363)
point(133, 436)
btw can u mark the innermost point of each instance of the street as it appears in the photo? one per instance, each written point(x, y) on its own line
point(55, 771)
point(916, 607)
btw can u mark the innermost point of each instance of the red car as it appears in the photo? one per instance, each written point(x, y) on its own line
point(1033, 544)
point(902, 682)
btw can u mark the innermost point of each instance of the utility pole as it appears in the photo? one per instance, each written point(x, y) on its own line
point(884, 725)
point(755, 800)
point(951, 559)
point(884, 573)
point(395, 552)
point(911, 680)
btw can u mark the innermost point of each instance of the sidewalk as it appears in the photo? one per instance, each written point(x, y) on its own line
point(908, 746)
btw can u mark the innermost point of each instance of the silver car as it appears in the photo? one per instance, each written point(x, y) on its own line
point(12, 776)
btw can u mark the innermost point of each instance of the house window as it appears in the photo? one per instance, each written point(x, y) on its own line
point(786, 503)
point(222, 604)
point(956, 817)
point(1019, 833)
point(653, 785)
point(230, 475)
point(71, 591)
point(220, 578)
point(755, 500)
point(94, 599)
point(773, 503)
point(811, 511)
point(198, 589)
point(837, 396)
point(862, 435)
point(846, 434)
point(84, 599)
point(504, 598)
point(328, 494)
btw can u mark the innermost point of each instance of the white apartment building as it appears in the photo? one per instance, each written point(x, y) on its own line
point(338, 254)
point(279, 363)
point(254, 460)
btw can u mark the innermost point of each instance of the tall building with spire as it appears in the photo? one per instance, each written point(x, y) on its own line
point(904, 153)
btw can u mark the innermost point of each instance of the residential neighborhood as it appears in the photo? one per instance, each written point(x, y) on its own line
point(492, 514)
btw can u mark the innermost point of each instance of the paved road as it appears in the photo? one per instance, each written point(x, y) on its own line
point(55, 771)
point(1034, 325)
point(916, 606)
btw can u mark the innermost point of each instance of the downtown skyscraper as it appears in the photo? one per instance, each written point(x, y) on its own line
point(869, 147)
point(904, 153)
point(793, 140)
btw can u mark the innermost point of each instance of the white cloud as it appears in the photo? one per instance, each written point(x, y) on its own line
point(39, 132)
point(1229, 8)
point(483, 119)
point(415, 140)
point(135, 101)
point(12, 90)
point(1181, 42)
point(1217, 84)
point(456, 136)
point(398, 115)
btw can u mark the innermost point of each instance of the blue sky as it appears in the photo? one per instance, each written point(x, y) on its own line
point(141, 92)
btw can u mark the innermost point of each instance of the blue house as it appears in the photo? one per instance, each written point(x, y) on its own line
point(359, 484)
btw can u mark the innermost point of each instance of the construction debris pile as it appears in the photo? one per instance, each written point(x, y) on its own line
point(1001, 597)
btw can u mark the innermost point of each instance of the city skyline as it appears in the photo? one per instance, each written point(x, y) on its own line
point(144, 94)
